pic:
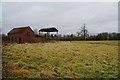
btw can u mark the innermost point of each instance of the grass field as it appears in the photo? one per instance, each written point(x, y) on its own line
point(70, 59)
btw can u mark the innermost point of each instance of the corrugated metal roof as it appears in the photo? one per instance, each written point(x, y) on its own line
point(48, 30)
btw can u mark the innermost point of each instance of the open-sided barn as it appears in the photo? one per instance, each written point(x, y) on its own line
point(48, 30)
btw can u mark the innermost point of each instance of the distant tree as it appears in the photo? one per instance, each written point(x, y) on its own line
point(83, 33)
point(103, 36)
point(71, 35)
point(78, 33)
point(114, 36)
point(59, 35)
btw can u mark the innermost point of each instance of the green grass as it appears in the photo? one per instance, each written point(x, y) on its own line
point(101, 42)
point(71, 59)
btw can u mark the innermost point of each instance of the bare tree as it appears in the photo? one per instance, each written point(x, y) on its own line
point(83, 32)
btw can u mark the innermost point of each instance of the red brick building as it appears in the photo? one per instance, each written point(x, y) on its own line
point(23, 35)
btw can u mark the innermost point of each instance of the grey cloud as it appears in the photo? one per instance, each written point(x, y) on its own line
point(67, 17)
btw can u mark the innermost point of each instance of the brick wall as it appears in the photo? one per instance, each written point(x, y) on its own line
point(38, 39)
point(26, 36)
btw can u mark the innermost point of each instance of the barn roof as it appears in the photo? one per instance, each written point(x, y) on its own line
point(48, 30)
point(17, 30)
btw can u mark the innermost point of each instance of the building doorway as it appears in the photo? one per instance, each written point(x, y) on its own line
point(20, 39)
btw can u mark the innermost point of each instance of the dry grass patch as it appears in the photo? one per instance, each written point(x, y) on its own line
point(75, 59)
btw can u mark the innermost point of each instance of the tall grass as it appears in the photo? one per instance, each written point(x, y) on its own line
point(71, 59)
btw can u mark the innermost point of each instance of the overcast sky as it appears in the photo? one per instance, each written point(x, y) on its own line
point(66, 17)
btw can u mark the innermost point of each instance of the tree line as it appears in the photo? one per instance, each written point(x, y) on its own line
point(72, 37)
point(82, 34)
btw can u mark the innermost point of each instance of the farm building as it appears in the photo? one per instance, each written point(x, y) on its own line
point(48, 30)
point(23, 35)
